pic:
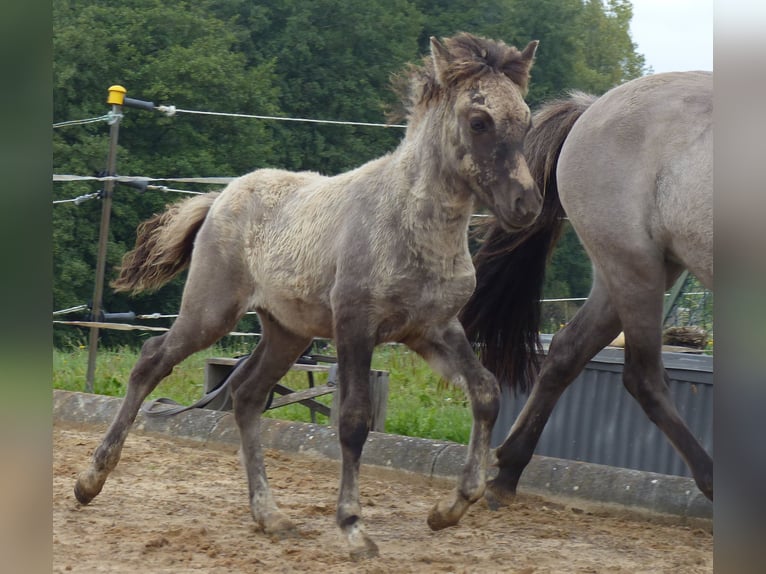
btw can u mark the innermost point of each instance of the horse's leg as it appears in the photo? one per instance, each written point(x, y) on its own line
point(208, 311)
point(450, 355)
point(355, 347)
point(251, 384)
point(644, 375)
point(594, 325)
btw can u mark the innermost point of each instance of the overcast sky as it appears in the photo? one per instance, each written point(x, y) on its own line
point(674, 35)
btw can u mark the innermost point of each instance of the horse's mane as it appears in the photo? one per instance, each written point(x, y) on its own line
point(470, 57)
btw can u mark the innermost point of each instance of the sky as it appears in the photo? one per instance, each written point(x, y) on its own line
point(674, 35)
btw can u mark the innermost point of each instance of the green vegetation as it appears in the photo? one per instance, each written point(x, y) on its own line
point(419, 404)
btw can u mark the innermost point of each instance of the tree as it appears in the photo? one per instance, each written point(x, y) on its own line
point(584, 44)
point(608, 55)
point(333, 60)
point(167, 54)
point(490, 18)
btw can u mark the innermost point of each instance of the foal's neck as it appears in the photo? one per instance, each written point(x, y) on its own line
point(436, 197)
point(432, 209)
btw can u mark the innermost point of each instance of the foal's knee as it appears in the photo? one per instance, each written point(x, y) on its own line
point(152, 347)
point(248, 400)
point(353, 430)
point(152, 365)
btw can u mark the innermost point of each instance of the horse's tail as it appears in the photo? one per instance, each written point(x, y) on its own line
point(164, 245)
point(503, 314)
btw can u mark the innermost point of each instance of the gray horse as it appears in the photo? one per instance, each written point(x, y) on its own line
point(373, 255)
point(633, 171)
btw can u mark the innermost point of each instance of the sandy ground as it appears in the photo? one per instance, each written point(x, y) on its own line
point(172, 506)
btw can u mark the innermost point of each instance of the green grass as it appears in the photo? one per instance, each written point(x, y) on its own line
point(419, 403)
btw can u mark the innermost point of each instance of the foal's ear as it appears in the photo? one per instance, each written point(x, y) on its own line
point(528, 54)
point(441, 58)
point(518, 70)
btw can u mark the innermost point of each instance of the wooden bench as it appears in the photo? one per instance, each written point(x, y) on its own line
point(217, 369)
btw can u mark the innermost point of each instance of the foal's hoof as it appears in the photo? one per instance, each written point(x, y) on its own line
point(498, 495)
point(439, 518)
point(81, 496)
point(279, 527)
point(85, 490)
point(364, 552)
point(360, 544)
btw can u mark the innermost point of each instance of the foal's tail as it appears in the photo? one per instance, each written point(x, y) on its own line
point(503, 314)
point(163, 245)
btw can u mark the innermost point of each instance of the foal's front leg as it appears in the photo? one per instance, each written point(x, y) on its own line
point(355, 348)
point(449, 353)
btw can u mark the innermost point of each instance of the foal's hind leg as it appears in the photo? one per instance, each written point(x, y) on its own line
point(592, 328)
point(450, 354)
point(209, 310)
point(251, 383)
point(158, 357)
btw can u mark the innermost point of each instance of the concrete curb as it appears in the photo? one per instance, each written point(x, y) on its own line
point(545, 476)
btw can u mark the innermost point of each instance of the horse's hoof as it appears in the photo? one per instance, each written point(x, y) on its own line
point(706, 487)
point(498, 496)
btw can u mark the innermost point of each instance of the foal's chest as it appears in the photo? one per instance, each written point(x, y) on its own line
point(412, 300)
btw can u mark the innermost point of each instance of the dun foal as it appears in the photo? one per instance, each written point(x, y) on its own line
point(374, 255)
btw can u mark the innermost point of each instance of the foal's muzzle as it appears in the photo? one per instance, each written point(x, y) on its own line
point(521, 209)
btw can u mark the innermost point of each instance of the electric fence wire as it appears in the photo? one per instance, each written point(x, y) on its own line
point(171, 111)
point(105, 118)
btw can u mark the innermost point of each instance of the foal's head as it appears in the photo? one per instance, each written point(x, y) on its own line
point(479, 87)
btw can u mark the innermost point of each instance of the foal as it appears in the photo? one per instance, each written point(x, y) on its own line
point(374, 255)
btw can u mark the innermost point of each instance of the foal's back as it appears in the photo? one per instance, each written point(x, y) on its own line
point(283, 227)
point(648, 184)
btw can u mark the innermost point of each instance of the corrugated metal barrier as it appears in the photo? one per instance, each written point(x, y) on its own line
point(596, 420)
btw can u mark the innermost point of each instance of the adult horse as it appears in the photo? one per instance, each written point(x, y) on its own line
point(374, 255)
point(632, 170)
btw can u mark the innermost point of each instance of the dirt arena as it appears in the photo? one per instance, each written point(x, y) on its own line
point(172, 506)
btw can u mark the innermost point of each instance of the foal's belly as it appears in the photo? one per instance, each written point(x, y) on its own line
point(395, 313)
point(400, 292)
point(304, 316)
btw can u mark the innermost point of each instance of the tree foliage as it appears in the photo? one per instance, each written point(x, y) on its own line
point(327, 59)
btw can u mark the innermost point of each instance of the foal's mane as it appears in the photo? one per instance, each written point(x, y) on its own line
point(470, 57)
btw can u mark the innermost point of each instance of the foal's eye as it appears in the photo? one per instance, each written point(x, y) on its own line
point(479, 125)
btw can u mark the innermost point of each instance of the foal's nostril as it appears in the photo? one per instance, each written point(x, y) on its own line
point(527, 217)
point(526, 209)
point(521, 207)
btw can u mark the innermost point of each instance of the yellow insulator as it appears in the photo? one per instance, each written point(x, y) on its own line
point(116, 95)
